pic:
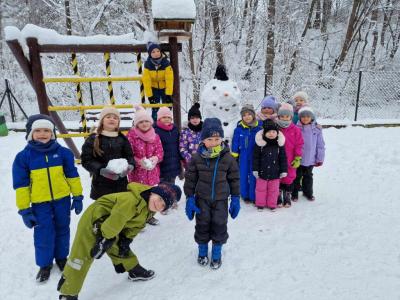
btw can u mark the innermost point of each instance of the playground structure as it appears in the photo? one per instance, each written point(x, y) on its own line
point(31, 64)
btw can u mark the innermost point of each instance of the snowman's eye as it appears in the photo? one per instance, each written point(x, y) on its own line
point(214, 104)
point(235, 87)
point(233, 105)
point(214, 87)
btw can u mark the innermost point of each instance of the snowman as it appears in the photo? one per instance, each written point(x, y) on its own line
point(220, 99)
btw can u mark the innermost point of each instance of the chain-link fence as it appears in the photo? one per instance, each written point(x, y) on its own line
point(345, 95)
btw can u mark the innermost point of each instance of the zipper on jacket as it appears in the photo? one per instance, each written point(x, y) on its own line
point(213, 180)
point(48, 177)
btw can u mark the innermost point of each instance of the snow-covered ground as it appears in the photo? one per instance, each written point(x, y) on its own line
point(345, 245)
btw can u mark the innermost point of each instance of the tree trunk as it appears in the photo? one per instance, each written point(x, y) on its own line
point(317, 20)
point(387, 17)
point(269, 60)
point(217, 32)
point(195, 81)
point(374, 21)
point(146, 6)
point(245, 11)
point(250, 32)
point(326, 13)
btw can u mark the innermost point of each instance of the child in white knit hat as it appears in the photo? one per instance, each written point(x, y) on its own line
point(300, 99)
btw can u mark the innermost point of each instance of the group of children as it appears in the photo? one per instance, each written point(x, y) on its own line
point(271, 158)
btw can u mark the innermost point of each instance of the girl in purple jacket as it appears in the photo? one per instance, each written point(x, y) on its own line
point(313, 153)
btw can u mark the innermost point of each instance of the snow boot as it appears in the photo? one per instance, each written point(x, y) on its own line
point(312, 198)
point(44, 274)
point(202, 259)
point(67, 297)
point(139, 273)
point(286, 199)
point(260, 208)
point(280, 199)
point(153, 221)
point(247, 201)
point(216, 256)
point(61, 263)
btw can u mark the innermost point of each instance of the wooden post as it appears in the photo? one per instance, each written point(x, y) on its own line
point(37, 75)
point(173, 42)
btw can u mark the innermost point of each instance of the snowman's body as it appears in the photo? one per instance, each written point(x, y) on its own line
point(222, 100)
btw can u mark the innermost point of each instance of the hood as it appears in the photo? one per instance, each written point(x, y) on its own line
point(260, 141)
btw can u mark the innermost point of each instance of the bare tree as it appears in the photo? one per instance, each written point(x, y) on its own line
point(250, 33)
point(146, 6)
point(374, 23)
point(317, 20)
point(217, 36)
point(270, 57)
point(387, 18)
point(326, 13)
point(244, 17)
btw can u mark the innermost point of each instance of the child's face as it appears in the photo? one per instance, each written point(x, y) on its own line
point(144, 125)
point(195, 121)
point(42, 135)
point(299, 101)
point(267, 111)
point(271, 134)
point(156, 203)
point(110, 122)
point(285, 118)
point(305, 120)
point(156, 53)
point(213, 141)
point(247, 118)
point(166, 120)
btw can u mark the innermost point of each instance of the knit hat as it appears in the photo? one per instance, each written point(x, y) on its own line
point(39, 121)
point(285, 109)
point(248, 108)
point(106, 111)
point(170, 193)
point(270, 125)
point(211, 127)
point(151, 46)
point(301, 94)
point(221, 74)
point(164, 112)
point(141, 115)
point(194, 111)
point(307, 111)
point(270, 102)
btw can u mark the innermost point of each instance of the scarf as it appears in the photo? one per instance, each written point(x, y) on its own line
point(148, 136)
point(196, 128)
point(156, 61)
point(165, 127)
point(283, 124)
point(109, 133)
point(212, 152)
point(262, 117)
point(51, 145)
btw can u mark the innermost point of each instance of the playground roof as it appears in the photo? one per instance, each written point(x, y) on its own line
point(174, 9)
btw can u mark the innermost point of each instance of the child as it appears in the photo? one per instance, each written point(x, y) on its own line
point(190, 137)
point(269, 164)
point(211, 177)
point(269, 107)
point(158, 77)
point(170, 167)
point(105, 144)
point(242, 147)
point(293, 148)
point(148, 152)
point(300, 100)
point(44, 177)
point(313, 153)
point(108, 226)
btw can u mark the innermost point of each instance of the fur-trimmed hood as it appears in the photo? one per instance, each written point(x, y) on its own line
point(261, 142)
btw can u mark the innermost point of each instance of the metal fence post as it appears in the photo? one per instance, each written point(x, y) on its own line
point(91, 93)
point(265, 84)
point(358, 94)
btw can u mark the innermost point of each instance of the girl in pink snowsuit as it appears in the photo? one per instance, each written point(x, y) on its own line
point(293, 146)
point(147, 148)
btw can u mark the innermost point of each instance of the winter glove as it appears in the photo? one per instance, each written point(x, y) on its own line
point(168, 98)
point(234, 206)
point(123, 245)
point(154, 161)
point(108, 174)
point(255, 174)
point(282, 175)
point(318, 164)
point(146, 164)
point(191, 208)
point(296, 162)
point(28, 217)
point(124, 173)
point(77, 204)
point(101, 246)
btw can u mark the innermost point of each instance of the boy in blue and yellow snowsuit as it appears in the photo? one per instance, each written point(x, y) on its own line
point(44, 177)
point(243, 142)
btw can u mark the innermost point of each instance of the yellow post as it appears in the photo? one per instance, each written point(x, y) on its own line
point(108, 72)
point(74, 62)
point(140, 71)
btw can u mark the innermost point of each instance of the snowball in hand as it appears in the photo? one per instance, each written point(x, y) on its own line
point(118, 165)
point(147, 163)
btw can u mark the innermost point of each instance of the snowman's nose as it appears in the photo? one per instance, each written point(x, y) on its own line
point(226, 94)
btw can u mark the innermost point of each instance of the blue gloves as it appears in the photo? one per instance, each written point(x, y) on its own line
point(77, 204)
point(234, 206)
point(28, 217)
point(191, 207)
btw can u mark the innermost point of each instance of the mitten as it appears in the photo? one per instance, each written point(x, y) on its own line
point(255, 174)
point(123, 245)
point(146, 164)
point(154, 161)
point(108, 174)
point(318, 164)
point(124, 173)
point(296, 162)
point(282, 175)
point(28, 217)
point(234, 206)
point(101, 246)
point(191, 207)
point(77, 204)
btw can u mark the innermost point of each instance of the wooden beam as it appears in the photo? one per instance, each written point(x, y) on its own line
point(173, 41)
point(50, 48)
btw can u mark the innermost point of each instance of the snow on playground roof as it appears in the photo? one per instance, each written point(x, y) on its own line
point(50, 36)
point(174, 9)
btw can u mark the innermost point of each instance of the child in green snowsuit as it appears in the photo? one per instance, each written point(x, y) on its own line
point(109, 226)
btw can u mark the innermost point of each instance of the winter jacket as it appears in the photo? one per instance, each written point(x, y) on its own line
point(158, 76)
point(212, 179)
point(243, 142)
point(170, 167)
point(293, 147)
point(314, 145)
point(141, 150)
point(188, 143)
point(114, 148)
point(269, 160)
point(44, 176)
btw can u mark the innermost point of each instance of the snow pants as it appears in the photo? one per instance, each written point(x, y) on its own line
point(212, 222)
point(159, 97)
point(51, 234)
point(267, 192)
point(79, 261)
point(247, 179)
point(305, 177)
